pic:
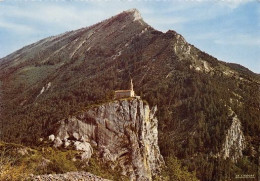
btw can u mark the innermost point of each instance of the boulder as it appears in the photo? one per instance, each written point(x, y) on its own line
point(86, 148)
point(51, 138)
point(93, 143)
point(22, 151)
point(83, 146)
point(67, 143)
point(57, 142)
point(86, 155)
point(76, 136)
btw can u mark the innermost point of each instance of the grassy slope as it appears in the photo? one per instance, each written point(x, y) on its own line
point(18, 162)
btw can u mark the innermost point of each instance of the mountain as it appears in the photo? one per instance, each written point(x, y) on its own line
point(208, 110)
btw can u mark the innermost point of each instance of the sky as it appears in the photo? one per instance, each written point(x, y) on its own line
point(226, 29)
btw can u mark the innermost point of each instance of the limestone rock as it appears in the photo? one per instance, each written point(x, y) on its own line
point(51, 138)
point(93, 143)
point(83, 146)
point(234, 142)
point(86, 155)
point(67, 143)
point(22, 151)
point(86, 148)
point(76, 136)
point(57, 142)
point(44, 163)
point(124, 133)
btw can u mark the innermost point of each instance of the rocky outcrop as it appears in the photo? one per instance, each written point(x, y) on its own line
point(124, 132)
point(70, 176)
point(234, 142)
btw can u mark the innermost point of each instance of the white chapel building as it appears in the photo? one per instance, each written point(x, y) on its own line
point(125, 93)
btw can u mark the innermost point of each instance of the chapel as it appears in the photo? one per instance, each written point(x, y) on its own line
point(125, 93)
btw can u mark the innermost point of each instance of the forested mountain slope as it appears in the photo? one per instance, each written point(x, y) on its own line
point(208, 110)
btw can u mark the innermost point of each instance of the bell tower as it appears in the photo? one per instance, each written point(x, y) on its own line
point(132, 86)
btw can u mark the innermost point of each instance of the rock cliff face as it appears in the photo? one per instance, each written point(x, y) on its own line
point(124, 132)
point(234, 142)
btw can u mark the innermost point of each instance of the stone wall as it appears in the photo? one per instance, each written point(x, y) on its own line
point(124, 94)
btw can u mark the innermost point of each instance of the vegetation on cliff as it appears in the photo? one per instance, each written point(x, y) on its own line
point(18, 162)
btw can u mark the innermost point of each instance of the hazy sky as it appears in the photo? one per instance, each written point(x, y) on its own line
point(227, 29)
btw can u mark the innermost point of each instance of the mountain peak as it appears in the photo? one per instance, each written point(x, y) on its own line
point(135, 13)
point(131, 14)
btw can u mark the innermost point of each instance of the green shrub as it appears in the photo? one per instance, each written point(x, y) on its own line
point(174, 171)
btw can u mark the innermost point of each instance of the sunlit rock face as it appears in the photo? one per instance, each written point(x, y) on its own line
point(124, 132)
point(234, 142)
